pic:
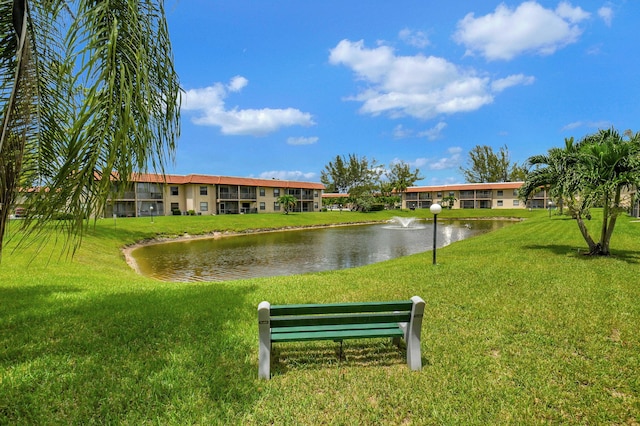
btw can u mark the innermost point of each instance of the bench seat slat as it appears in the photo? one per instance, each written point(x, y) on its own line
point(336, 308)
point(336, 335)
point(358, 318)
point(283, 330)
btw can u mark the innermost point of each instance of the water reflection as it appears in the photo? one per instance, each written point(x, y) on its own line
point(295, 252)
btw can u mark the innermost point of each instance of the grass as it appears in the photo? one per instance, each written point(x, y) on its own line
point(519, 328)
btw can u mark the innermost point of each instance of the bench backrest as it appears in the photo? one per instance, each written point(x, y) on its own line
point(340, 313)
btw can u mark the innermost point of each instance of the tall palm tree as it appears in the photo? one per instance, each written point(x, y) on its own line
point(88, 94)
point(593, 172)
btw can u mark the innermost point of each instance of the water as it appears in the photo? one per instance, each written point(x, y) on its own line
point(296, 252)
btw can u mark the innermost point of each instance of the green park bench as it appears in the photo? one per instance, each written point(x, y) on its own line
point(338, 322)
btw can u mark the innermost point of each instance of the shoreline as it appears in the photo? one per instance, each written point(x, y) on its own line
point(127, 250)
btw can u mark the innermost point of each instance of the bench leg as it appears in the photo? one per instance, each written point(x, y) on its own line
point(412, 334)
point(264, 333)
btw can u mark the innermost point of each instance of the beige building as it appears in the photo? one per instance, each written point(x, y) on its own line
point(154, 194)
point(497, 195)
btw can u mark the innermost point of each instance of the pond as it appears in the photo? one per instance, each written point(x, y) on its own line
point(299, 251)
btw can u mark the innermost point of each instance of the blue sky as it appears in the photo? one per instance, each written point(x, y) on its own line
point(277, 89)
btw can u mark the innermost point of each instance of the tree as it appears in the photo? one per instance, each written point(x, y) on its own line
point(88, 94)
point(591, 173)
point(488, 166)
point(401, 177)
point(344, 174)
point(288, 201)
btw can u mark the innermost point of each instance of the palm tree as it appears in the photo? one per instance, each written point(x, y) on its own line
point(88, 94)
point(591, 173)
point(288, 201)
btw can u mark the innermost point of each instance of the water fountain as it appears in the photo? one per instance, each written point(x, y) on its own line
point(405, 223)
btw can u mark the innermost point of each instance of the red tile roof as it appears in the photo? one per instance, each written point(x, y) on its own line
point(223, 180)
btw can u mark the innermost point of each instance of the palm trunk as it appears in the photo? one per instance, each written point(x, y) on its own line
point(606, 237)
point(593, 247)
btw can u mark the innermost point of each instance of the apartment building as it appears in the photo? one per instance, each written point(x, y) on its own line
point(497, 195)
point(154, 194)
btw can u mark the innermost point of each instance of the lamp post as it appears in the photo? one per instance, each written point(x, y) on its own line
point(151, 209)
point(435, 209)
point(549, 203)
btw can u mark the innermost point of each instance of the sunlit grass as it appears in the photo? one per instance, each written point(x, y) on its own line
point(519, 328)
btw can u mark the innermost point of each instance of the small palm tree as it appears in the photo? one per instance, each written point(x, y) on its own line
point(288, 201)
point(591, 173)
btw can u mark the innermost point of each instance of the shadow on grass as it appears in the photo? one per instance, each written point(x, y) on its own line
point(628, 256)
point(171, 355)
point(323, 355)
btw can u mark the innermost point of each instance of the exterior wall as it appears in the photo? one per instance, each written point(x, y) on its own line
point(499, 195)
point(209, 195)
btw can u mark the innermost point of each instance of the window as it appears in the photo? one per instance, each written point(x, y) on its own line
point(499, 203)
point(315, 206)
point(262, 192)
point(276, 206)
point(500, 193)
point(276, 192)
point(262, 205)
point(175, 206)
point(451, 193)
point(515, 192)
point(516, 203)
point(203, 190)
point(174, 190)
point(439, 195)
point(315, 194)
point(204, 206)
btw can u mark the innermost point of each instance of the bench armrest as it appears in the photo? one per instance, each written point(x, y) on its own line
point(264, 333)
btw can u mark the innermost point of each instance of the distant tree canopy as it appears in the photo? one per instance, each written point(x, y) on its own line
point(367, 182)
point(484, 165)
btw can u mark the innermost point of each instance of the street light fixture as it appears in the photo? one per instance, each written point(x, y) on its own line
point(550, 203)
point(151, 209)
point(435, 209)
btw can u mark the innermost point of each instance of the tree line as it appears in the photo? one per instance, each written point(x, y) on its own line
point(368, 185)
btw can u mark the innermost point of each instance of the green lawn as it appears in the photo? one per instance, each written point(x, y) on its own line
point(519, 328)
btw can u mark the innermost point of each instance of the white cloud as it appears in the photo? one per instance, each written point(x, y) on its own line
point(434, 132)
point(400, 132)
point(606, 13)
point(414, 38)
point(302, 140)
point(530, 27)
point(450, 161)
point(418, 86)
point(209, 103)
point(603, 124)
point(513, 80)
point(289, 175)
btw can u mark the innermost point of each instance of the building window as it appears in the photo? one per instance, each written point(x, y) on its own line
point(516, 203)
point(439, 195)
point(276, 206)
point(500, 193)
point(515, 192)
point(276, 192)
point(262, 192)
point(174, 190)
point(175, 206)
point(499, 203)
point(451, 193)
point(315, 206)
point(315, 194)
point(203, 190)
point(262, 205)
point(204, 206)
